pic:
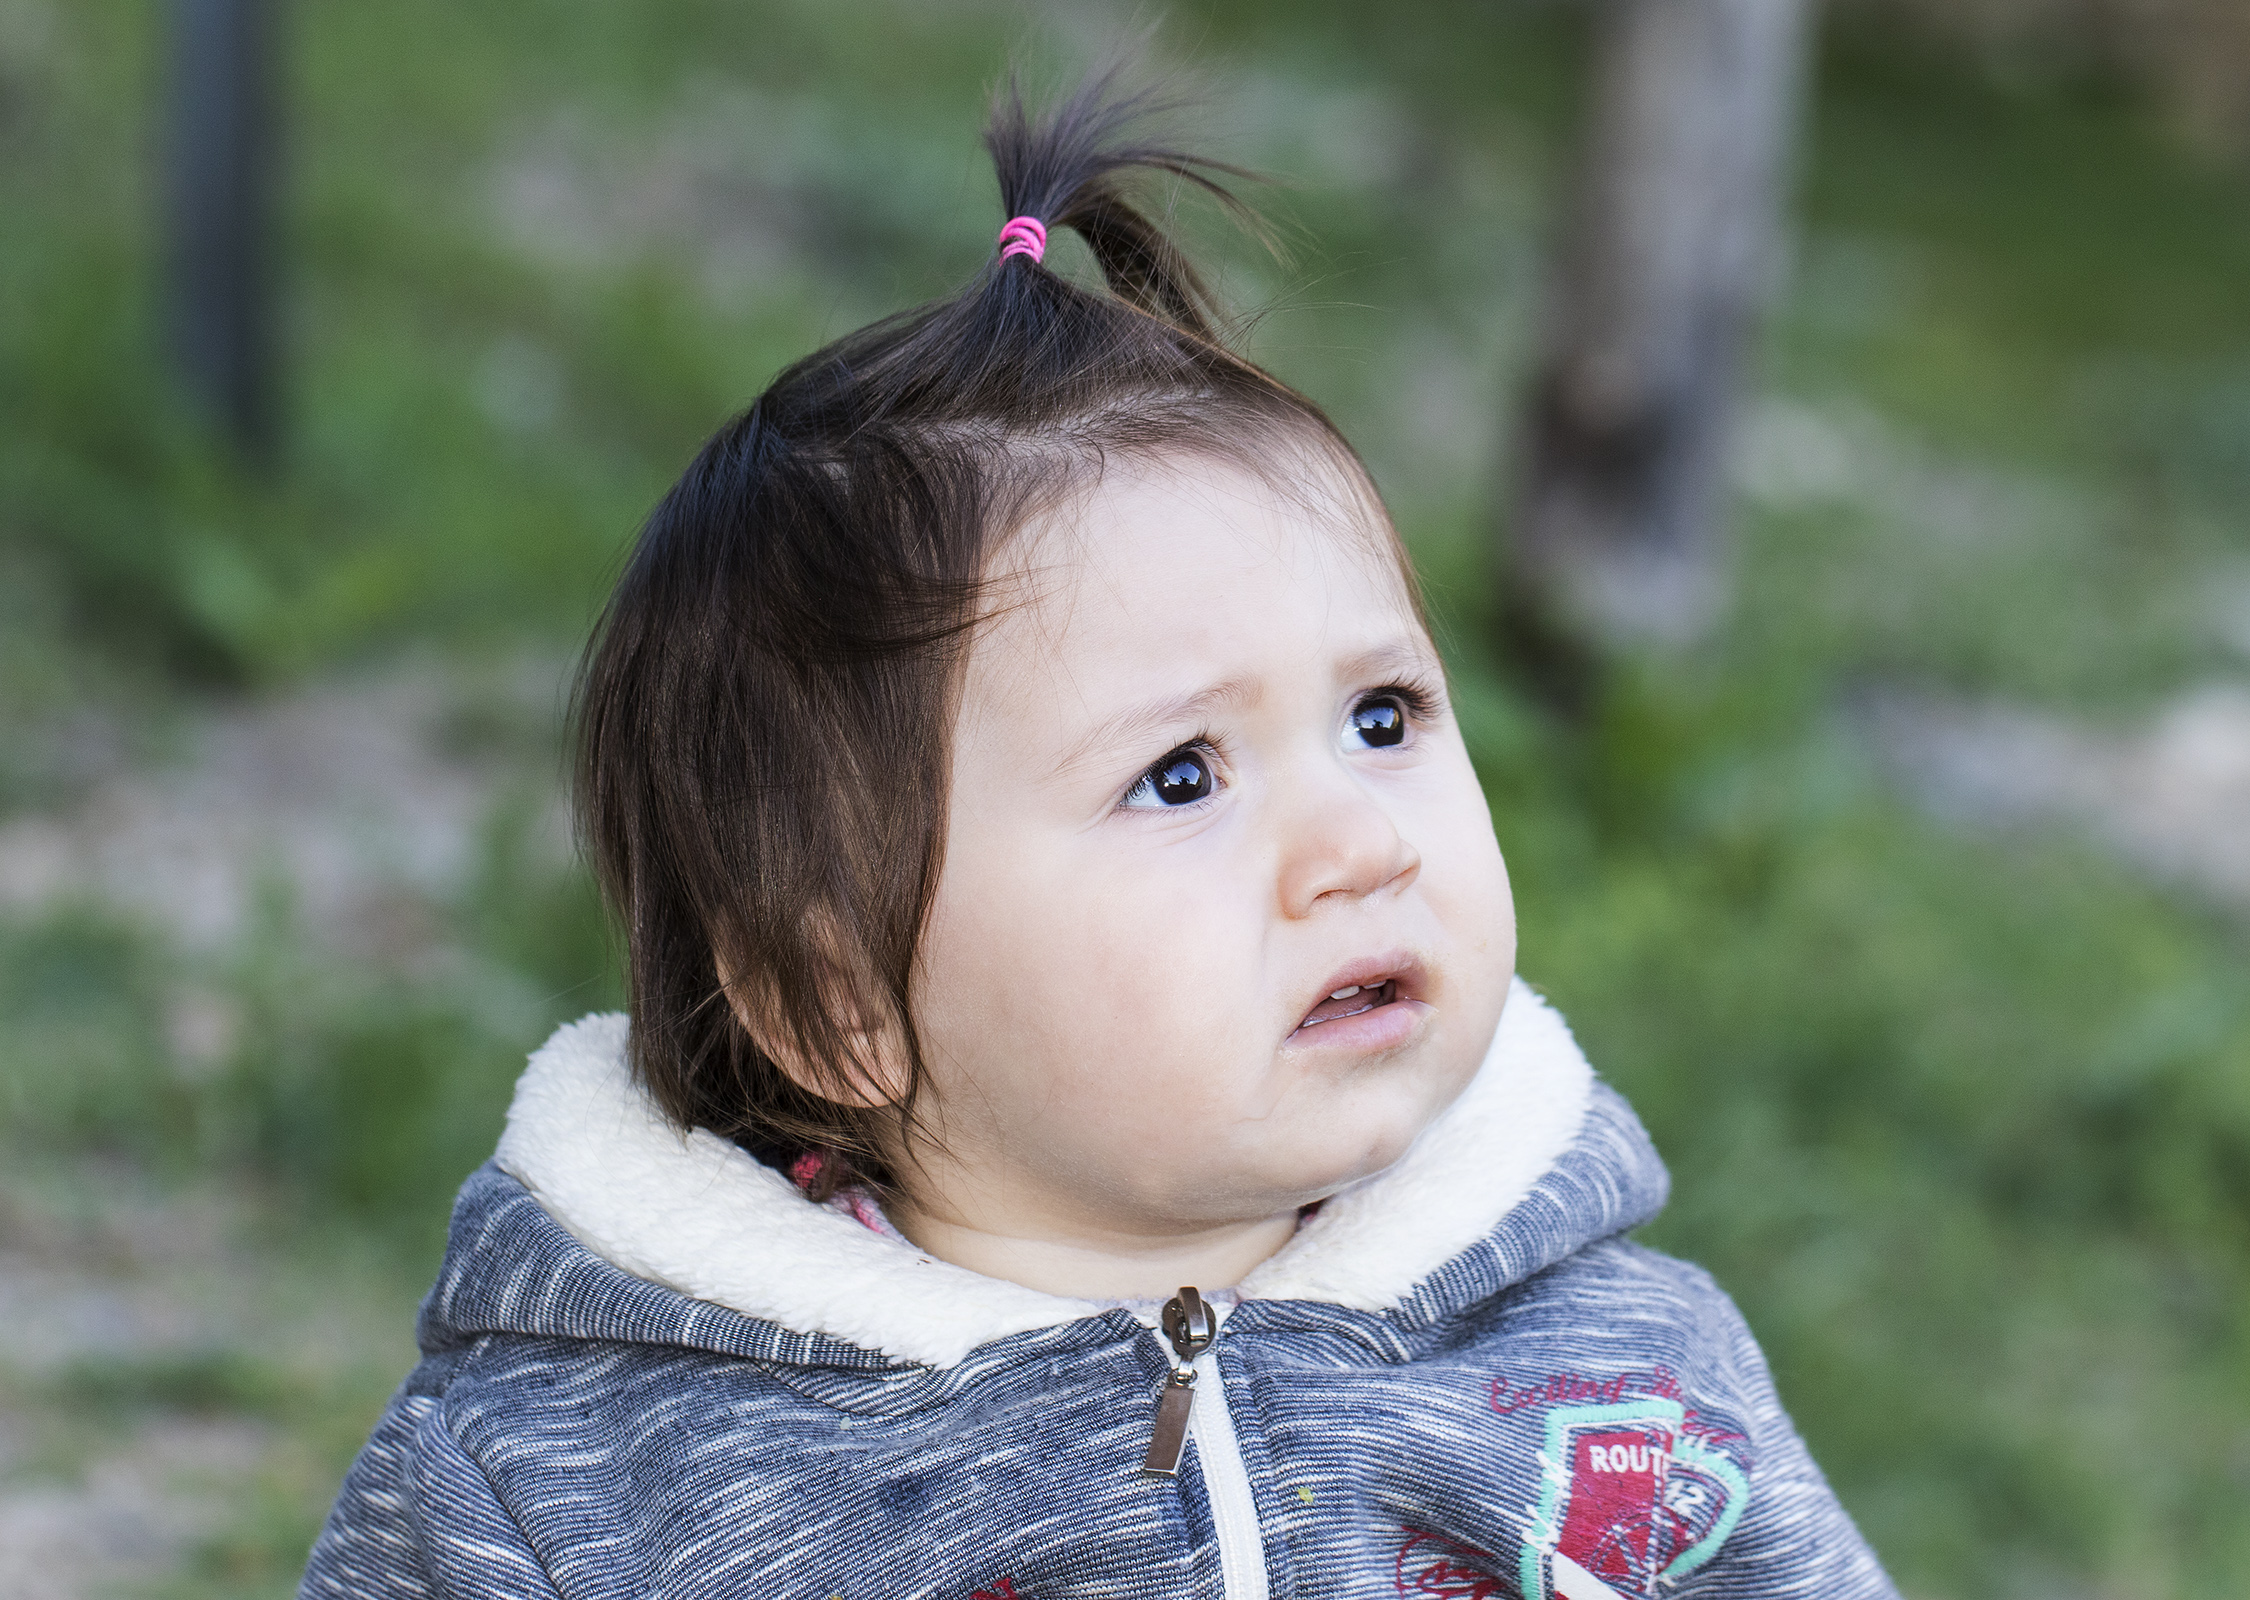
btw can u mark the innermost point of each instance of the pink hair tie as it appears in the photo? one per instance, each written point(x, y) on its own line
point(1023, 236)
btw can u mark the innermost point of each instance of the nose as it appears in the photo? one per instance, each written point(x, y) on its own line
point(1338, 841)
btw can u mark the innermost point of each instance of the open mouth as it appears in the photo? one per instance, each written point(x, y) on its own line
point(1353, 1000)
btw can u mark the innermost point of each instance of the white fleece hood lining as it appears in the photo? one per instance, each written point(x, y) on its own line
point(701, 1215)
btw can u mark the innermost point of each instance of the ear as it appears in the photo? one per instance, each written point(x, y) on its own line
point(874, 1040)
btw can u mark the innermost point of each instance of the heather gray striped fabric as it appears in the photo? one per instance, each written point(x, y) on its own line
point(1549, 1409)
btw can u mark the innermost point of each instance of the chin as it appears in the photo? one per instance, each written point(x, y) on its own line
point(1347, 1168)
point(1386, 1130)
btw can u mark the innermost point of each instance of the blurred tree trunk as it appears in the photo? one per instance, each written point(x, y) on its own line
point(1672, 243)
point(220, 182)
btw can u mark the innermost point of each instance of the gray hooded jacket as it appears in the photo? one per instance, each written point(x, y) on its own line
point(651, 1368)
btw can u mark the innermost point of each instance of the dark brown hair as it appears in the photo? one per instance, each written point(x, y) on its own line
point(763, 718)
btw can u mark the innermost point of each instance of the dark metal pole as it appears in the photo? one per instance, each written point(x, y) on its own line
point(220, 183)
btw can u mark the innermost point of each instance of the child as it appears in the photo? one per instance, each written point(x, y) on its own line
point(1052, 876)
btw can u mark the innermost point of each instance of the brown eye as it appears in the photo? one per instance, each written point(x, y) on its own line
point(1379, 722)
point(1180, 779)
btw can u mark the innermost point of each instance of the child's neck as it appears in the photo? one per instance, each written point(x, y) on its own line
point(1091, 1264)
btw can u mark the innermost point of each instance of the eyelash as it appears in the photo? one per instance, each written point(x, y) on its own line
point(1418, 698)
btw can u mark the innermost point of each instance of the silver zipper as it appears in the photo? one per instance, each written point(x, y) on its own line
point(1192, 1327)
point(1189, 1325)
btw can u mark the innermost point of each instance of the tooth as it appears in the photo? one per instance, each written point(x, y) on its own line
point(1345, 994)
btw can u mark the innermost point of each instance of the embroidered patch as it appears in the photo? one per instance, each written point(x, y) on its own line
point(1629, 1496)
point(1437, 1568)
point(1005, 1589)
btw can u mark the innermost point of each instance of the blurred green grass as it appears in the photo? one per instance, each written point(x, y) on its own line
point(1963, 1120)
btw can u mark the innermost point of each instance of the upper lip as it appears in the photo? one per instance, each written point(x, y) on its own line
point(1394, 966)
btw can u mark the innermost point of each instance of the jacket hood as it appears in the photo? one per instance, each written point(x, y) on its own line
point(599, 1219)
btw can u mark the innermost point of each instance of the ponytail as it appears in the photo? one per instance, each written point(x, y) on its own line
point(1073, 169)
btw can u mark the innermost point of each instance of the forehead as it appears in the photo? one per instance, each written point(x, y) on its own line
point(1175, 567)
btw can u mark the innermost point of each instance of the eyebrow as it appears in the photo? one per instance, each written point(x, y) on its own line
point(1394, 659)
point(1136, 724)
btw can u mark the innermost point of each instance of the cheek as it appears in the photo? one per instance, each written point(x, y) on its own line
point(1068, 969)
point(1486, 910)
point(1463, 873)
point(981, 956)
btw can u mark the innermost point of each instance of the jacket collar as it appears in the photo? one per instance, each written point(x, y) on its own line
point(697, 1214)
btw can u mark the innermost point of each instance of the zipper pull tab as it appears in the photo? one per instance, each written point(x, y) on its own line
point(1189, 1325)
point(1172, 1408)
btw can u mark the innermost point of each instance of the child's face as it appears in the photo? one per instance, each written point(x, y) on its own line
point(1204, 776)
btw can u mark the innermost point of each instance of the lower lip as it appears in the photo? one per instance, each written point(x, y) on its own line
point(1383, 1028)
